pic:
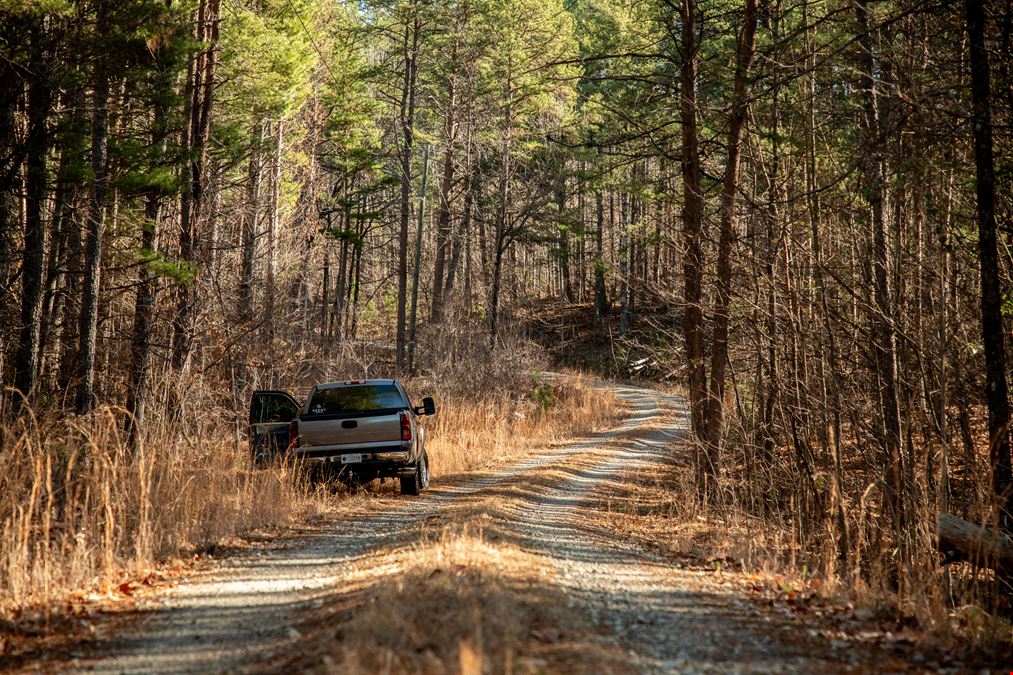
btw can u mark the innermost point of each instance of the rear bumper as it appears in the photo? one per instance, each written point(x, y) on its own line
point(382, 463)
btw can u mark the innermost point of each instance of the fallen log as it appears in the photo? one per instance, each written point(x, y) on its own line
point(963, 540)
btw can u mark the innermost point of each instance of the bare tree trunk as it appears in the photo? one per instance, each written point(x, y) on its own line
point(625, 271)
point(410, 49)
point(147, 288)
point(601, 302)
point(271, 290)
point(339, 292)
point(884, 341)
point(996, 389)
point(459, 241)
point(11, 88)
point(497, 274)
point(503, 214)
point(729, 196)
point(32, 270)
point(202, 87)
point(88, 331)
point(564, 235)
point(251, 222)
point(830, 349)
point(325, 298)
point(692, 227)
point(446, 188)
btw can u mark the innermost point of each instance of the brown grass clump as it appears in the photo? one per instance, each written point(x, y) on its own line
point(459, 602)
point(451, 603)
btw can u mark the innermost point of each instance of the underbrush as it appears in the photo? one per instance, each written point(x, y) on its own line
point(795, 564)
point(471, 432)
point(81, 508)
point(406, 626)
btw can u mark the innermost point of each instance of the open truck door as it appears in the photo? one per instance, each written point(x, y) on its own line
point(270, 414)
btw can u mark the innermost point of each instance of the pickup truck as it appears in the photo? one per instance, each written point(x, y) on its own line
point(357, 430)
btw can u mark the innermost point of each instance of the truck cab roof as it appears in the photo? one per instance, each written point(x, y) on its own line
point(352, 383)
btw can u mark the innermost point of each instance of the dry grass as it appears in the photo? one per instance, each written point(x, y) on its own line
point(79, 508)
point(456, 602)
point(662, 513)
point(81, 512)
point(470, 433)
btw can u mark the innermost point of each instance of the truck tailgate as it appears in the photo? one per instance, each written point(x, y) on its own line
point(349, 431)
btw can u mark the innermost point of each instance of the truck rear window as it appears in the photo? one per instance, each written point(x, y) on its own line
point(369, 398)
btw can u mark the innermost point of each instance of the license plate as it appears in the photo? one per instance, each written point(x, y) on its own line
point(351, 459)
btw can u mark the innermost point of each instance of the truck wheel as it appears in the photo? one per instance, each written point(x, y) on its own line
point(419, 480)
point(425, 470)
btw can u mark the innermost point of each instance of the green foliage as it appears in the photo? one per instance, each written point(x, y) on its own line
point(181, 271)
point(543, 393)
point(267, 55)
point(162, 180)
point(349, 236)
point(26, 8)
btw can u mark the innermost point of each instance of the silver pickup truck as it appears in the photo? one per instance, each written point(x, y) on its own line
point(357, 430)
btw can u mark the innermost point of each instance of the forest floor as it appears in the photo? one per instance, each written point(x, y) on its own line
point(520, 568)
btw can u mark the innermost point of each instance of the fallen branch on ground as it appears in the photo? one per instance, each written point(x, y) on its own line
point(963, 540)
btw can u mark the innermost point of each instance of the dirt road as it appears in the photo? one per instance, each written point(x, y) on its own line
point(250, 613)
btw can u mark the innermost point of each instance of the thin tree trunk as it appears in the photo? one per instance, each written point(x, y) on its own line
point(503, 215)
point(324, 307)
point(251, 222)
point(192, 202)
point(564, 236)
point(625, 270)
point(32, 269)
point(459, 240)
point(884, 340)
point(410, 49)
point(417, 263)
point(271, 290)
point(88, 331)
point(830, 349)
point(692, 226)
point(446, 188)
point(729, 196)
point(996, 388)
point(147, 288)
point(601, 302)
point(11, 89)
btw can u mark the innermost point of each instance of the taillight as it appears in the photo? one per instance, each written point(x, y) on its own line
point(406, 427)
point(293, 434)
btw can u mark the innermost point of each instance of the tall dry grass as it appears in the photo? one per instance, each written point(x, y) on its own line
point(79, 507)
point(469, 433)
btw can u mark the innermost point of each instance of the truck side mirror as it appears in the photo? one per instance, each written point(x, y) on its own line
point(428, 406)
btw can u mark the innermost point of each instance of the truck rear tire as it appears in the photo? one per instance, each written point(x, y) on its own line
point(419, 480)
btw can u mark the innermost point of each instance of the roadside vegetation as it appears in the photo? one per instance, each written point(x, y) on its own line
point(762, 528)
point(86, 515)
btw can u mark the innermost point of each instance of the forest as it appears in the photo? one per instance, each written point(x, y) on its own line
point(795, 214)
